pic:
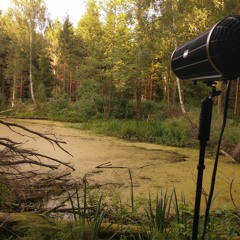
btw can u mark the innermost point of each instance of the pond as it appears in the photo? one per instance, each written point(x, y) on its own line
point(106, 162)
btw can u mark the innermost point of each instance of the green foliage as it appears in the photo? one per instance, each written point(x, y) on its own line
point(58, 105)
point(87, 220)
point(45, 75)
point(150, 108)
point(42, 230)
point(224, 225)
point(195, 93)
point(232, 132)
point(6, 196)
point(177, 132)
point(41, 93)
point(2, 101)
point(159, 214)
point(122, 109)
point(124, 47)
point(90, 103)
point(166, 217)
point(28, 110)
point(173, 131)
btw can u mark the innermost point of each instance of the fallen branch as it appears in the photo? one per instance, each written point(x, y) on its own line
point(109, 165)
point(231, 195)
point(9, 110)
point(49, 139)
point(227, 155)
point(35, 184)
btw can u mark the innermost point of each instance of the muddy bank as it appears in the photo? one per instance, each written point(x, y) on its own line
point(106, 160)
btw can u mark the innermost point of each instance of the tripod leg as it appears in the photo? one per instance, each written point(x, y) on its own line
point(203, 137)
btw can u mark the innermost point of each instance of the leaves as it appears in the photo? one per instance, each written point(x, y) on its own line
point(123, 46)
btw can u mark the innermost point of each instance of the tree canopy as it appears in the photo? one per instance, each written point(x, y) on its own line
point(121, 48)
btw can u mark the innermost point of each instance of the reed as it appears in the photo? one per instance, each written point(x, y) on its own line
point(87, 222)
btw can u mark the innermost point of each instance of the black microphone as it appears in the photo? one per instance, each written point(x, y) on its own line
point(214, 55)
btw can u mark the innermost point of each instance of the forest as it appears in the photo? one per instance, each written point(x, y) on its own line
point(114, 63)
point(111, 73)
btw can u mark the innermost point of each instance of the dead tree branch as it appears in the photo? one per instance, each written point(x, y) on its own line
point(26, 171)
point(53, 141)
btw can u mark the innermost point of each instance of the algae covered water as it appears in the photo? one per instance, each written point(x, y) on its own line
point(106, 162)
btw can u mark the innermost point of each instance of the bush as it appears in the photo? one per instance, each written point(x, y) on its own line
point(149, 108)
point(122, 108)
point(89, 108)
point(90, 103)
point(41, 94)
point(58, 105)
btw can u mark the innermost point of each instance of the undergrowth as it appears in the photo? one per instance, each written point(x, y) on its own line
point(172, 132)
point(160, 125)
point(165, 216)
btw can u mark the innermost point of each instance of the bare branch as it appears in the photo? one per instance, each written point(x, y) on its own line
point(49, 139)
point(35, 183)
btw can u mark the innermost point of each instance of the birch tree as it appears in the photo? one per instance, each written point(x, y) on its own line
point(30, 17)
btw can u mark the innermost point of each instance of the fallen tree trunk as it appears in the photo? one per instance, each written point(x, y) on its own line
point(14, 218)
point(7, 220)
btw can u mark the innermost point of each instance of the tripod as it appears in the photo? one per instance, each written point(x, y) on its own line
point(203, 137)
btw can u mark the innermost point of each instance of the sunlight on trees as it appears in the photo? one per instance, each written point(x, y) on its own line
point(123, 46)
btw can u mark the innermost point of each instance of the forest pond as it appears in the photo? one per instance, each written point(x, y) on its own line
point(106, 162)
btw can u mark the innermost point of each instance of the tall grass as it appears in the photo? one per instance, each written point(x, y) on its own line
point(87, 225)
point(159, 213)
point(170, 131)
point(173, 131)
point(168, 218)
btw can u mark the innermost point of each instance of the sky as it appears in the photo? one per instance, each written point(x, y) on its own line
point(59, 9)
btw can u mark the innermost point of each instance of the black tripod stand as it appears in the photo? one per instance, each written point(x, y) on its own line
point(203, 137)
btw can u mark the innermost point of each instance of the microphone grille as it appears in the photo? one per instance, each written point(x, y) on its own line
point(224, 46)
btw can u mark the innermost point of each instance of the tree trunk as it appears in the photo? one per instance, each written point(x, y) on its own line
point(14, 86)
point(106, 230)
point(30, 66)
point(21, 87)
point(180, 96)
point(14, 90)
point(138, 100)
point(175, 43)
point(174, 94)
point(167, 83)
point(236, 108)
point(219, 98)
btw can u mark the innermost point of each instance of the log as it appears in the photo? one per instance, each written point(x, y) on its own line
point(8, 110)
point(14, 218)
point(106, 229)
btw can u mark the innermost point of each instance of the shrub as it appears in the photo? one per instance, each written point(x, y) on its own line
point(90, 102)
point(121, 109)
point(41, 93)
point(58, 105)
point(149, 108)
